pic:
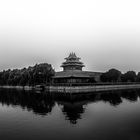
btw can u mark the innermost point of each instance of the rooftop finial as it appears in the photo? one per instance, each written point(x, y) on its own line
point(72, 55)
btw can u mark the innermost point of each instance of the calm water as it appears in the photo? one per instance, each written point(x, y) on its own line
point(105, 115)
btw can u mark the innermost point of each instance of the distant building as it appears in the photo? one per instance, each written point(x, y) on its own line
point(72, 72)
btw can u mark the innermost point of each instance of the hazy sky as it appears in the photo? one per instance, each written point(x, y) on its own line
point(104, 33)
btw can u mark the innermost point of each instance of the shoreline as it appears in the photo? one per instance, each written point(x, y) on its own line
point(19, 87)
point(75, 89)
point(93, 88)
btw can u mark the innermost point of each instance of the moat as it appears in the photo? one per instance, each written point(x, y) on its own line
point(35, 115)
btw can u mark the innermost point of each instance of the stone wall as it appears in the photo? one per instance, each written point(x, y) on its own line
point(81, 89)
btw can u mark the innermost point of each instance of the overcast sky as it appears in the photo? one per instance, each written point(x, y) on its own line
point(104, 33)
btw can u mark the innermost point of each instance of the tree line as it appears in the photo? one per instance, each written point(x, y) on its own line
point(42, 74)
point(114, 75)
point(33, 75)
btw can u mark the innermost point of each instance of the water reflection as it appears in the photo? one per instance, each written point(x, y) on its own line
point(72, 106)
point(36, 102)
point(73, 111)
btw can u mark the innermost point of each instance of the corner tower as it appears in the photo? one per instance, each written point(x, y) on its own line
point(72, 63)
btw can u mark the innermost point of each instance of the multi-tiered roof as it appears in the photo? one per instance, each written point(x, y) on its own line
point(72, 63)
point(73, 73)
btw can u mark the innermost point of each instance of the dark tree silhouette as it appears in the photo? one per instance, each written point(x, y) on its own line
point(129, 76)
point(138, 77)
point(113, 75)
point(38, 74)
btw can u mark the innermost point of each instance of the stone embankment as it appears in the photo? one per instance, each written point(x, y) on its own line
point(18, 87)
point(93, 88)
point(77, 89)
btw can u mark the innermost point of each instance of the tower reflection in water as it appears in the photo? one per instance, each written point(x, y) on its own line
point(72, 106)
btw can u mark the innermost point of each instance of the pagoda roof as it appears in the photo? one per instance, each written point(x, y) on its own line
point(72, 60)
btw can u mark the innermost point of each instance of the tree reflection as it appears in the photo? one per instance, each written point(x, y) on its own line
point(113, 98)
point(72, 105)
point(38, 103)
point(131, 95)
